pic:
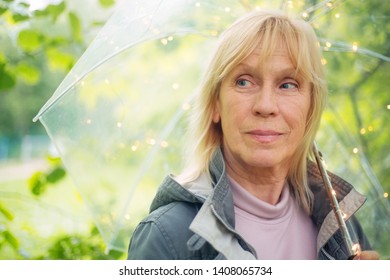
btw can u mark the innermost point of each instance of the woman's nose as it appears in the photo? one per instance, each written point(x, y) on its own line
point(265, 102)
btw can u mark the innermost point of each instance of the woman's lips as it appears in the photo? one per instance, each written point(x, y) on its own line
point(265, 136)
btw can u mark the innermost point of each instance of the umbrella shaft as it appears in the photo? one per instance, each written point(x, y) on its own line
point(334, 202)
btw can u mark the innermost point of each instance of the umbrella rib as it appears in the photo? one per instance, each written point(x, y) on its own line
point(325, 8)
point(364, 161)
point(345, 47)
point(55, 100)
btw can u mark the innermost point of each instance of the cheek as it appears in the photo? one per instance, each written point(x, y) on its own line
point(296, 116)
point(233, 114)
point(301, 118)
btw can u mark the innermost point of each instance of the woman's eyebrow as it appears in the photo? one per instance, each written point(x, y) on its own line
point(290, 72)
point(244, 67)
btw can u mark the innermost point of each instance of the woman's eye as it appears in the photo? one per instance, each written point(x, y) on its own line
point(289, 86)
point(243, 83)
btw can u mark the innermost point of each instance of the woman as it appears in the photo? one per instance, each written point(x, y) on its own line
point(250, 190)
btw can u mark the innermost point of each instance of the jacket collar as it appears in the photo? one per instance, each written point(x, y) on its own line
point(322, 214)
point(219, 204)
point(215, 220)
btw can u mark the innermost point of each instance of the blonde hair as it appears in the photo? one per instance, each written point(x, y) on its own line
point(269, 29)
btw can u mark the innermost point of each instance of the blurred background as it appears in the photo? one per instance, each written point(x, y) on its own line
point(44, 214)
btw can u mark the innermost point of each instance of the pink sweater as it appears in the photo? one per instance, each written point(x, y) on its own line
point(277, 232)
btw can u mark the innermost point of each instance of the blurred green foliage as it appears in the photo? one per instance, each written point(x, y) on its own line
point(80, 247)
point(39, 47)
point(359, 73)
point(40, 180)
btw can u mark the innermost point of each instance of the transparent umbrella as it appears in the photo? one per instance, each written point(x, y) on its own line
point(118, 117)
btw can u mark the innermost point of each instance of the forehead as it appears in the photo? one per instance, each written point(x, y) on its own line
point(263, 60)
point(264, 53)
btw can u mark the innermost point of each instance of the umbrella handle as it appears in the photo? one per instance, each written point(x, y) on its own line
point(353, 249)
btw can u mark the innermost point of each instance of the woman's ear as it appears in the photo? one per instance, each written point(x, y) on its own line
point(216, 115)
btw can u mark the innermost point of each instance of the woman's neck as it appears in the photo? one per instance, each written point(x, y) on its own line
point(266, 185)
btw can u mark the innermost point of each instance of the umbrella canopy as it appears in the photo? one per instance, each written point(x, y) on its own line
point(119, 116)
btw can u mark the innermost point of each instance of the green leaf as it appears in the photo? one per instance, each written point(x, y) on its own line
point(54, 11)
point(7, 79)
point(30, 40)
point(75, 26)
point(3, 10)
point(24, 5)
point(28, 73)
point(57, 41)
point(11, 239)
point(107, 3)
point(17, 17)
point(37, 183)
point(59, 60)
point(54, 160)
point(6, 213)
point(56, 175)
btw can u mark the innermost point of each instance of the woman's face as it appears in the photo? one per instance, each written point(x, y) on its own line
point(263, 109)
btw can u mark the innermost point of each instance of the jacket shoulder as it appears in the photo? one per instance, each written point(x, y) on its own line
point(164, 234)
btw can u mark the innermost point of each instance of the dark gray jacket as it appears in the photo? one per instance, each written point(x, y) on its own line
point(197, 221)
